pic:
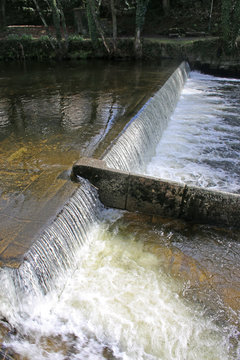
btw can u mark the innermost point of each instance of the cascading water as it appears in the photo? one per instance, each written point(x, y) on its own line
point(54, 252)
point(137, 143)
point(93, 287)
point(118, 303)
point(201, 145)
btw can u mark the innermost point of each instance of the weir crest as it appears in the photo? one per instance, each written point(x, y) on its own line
point(137, 143)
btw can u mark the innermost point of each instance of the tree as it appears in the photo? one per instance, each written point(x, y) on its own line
point(2, 14)
point(91, 24)
point(141, 8)
point(166, 6)
point(56, 8)
point(114, 24)
point(95, 25)
point(230, 23)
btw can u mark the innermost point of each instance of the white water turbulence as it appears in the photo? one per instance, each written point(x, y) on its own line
point(201, 145)
point(55, 250)
point(137, 143)
point(117, 303)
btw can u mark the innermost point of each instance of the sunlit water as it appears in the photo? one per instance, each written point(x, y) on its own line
point(201, 145)
point(137, 291)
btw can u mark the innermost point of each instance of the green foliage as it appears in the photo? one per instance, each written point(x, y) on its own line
point(13, 37)
point(26, 37)
point(21, 48)
point(75, 37)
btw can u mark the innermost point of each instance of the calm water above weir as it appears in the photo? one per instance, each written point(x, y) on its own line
point(135, 290)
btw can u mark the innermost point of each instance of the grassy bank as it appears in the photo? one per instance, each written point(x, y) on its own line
point(202, 53)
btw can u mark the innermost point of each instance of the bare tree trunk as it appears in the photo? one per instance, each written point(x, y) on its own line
point(138, 44)
point(64, 26)
point(166, 6)
point(2, 14)
point(114, 25)
point(141, 8)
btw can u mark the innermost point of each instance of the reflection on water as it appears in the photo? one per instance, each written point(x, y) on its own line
point(82, 102)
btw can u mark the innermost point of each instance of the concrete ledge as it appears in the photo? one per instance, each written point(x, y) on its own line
point(112, 184)
point(152, 196)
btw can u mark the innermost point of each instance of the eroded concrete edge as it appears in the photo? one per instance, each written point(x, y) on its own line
point(152, 196)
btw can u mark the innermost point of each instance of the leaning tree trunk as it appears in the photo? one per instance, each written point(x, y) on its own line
point(44, 23)
point(92, 9)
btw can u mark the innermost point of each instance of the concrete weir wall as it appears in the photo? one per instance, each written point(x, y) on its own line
point(149, 195)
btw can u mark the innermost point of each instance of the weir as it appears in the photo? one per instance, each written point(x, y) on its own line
point(52, 250)
point(147, 125)
point(56, 249)
point(130, 152)
point(136, 144)
point(120, 188)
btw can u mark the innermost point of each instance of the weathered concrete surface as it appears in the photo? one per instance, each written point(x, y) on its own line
point(154, 196)
point(214, 207)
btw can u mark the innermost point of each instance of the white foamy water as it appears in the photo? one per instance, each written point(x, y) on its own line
point(117, 304)
point(201, 145)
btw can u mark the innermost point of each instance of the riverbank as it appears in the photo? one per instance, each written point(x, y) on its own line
point(203, 53)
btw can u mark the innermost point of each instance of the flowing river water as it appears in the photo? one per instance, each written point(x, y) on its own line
point(139, 289)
